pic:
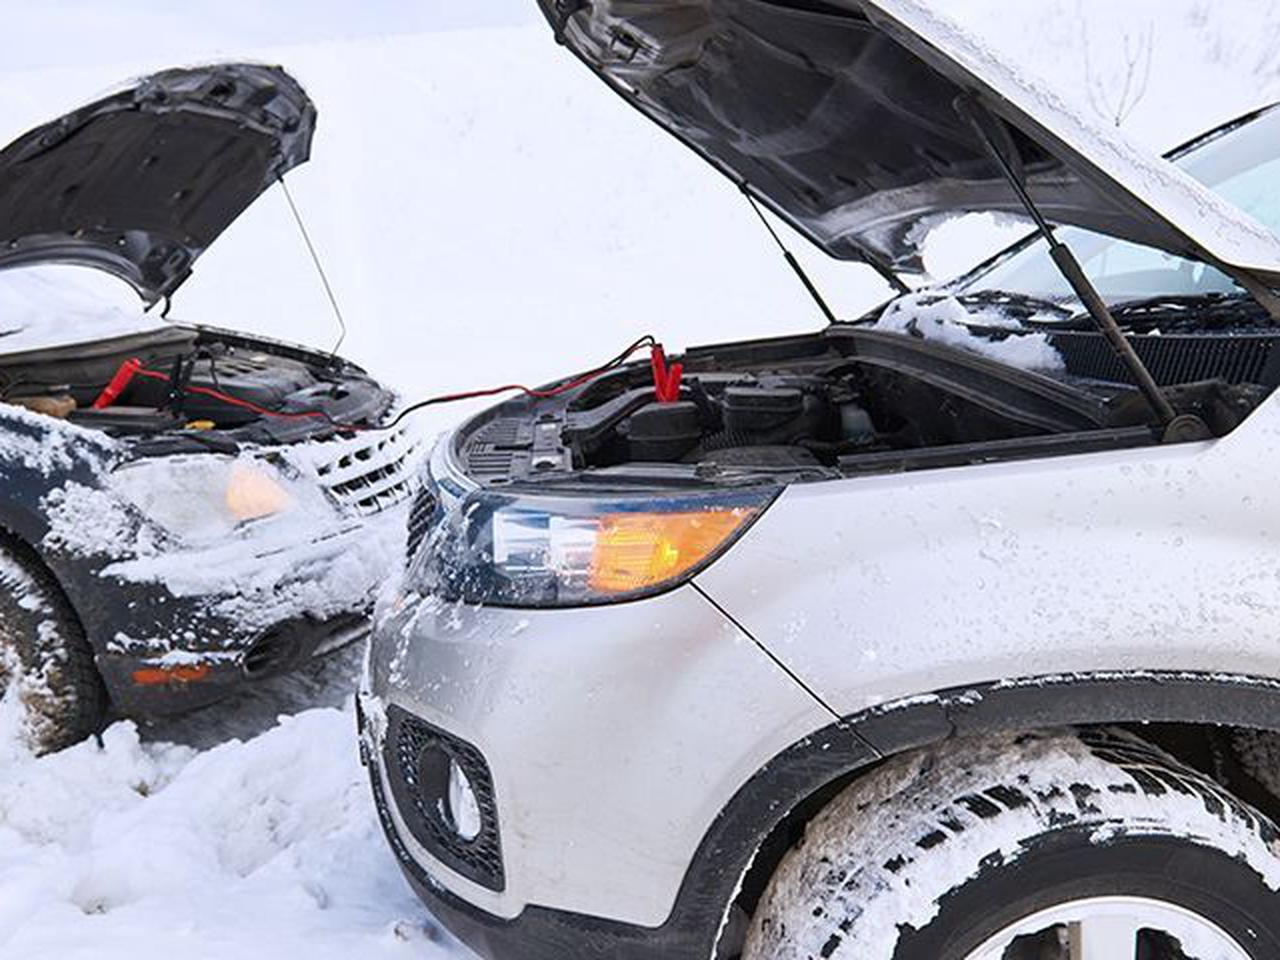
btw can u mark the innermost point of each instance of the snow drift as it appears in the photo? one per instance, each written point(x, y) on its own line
point(268, 848)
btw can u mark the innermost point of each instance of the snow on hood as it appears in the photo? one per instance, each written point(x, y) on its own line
point(1217, 230)
point(57, 306)
point(50, 446)
point(942, 318)
point(842, 116)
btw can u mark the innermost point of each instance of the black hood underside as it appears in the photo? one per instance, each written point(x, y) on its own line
point(842, 116)
point(141, 182)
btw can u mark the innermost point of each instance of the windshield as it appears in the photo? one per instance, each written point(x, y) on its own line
point(1243, 166)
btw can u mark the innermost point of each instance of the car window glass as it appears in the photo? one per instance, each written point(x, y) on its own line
point(1241, 166)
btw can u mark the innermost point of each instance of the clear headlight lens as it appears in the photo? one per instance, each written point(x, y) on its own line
point(568, 551)
point(203, 497)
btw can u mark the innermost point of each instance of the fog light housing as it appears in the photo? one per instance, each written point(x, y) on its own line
point(443, 789)
point(464, 805)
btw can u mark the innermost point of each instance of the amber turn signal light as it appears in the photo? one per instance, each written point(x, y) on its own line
point(636, 551)
point(158, 676)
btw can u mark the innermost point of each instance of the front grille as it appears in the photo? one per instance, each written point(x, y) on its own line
point(1173, 358)
point(410, 743)
point(368, 479)
point(421, 514)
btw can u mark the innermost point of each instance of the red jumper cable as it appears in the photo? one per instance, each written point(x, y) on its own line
point(666, 379)
point(666, 388)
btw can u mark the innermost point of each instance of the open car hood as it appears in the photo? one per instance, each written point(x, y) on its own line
point(842, 116)
point(141, 182)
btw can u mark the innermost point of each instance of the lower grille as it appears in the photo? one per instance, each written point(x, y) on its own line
point(422, 798)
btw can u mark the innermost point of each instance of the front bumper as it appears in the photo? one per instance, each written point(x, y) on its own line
point(176, 632)
point(159, 686)
point(539, 933)
point(615, 736)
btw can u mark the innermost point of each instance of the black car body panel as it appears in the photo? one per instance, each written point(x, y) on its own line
point(57, 479)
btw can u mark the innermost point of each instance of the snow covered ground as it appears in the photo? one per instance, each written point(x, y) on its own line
point(266, 848)
point(486, 212)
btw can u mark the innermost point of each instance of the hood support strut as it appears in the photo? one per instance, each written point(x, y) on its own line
point(790, 257)
point(988, 128)
point(885, 273)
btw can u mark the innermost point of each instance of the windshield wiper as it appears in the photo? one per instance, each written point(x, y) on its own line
point(1192, 313)
point(1020, 306)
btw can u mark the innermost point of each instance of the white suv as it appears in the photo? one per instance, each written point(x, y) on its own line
point(949, 634)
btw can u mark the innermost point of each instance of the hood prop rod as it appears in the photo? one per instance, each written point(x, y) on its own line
point(324, 277)
point(886, 274)
point(790, 257)
point(1175, 427)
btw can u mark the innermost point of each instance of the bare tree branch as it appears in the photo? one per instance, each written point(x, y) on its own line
point(1115, 91)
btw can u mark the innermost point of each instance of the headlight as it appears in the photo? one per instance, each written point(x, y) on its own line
point(200, 498)
point(253, 493)
point(567, 551)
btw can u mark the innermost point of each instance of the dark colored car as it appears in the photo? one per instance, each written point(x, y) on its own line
point(182, 509)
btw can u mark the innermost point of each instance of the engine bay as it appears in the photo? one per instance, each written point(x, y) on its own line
point(849, 400)
point(189, 382)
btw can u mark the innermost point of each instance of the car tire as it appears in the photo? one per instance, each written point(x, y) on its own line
point(46, 665)
point(1037, 847)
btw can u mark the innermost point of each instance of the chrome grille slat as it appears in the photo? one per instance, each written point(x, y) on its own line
point(367, 479)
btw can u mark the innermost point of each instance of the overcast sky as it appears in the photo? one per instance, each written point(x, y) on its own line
point(68, 33)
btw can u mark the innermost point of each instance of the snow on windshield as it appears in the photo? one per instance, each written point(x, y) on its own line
point(55, 306)
point(944, 319)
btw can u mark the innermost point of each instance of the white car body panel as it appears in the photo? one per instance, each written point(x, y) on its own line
point(599, 683)
point(619, 737)
point(864, 588)
point(1160, 559)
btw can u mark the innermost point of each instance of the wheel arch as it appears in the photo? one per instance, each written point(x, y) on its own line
point(21, 523)
point(761, 823)
point(750, 835)
point(24, 537)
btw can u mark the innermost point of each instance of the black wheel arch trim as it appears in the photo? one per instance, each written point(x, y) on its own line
point(861, 740)
point(827, 757)
point(1074, 700)
point(27, 530)
point(21, 523)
